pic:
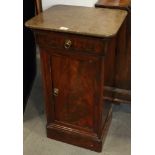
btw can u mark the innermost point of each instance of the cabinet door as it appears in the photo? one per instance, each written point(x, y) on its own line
point(76, 89)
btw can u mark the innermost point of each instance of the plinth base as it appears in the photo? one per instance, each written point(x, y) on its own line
point(77, 137)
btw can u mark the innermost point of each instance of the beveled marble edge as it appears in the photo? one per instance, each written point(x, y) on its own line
point(72, 32)
point(39, 27)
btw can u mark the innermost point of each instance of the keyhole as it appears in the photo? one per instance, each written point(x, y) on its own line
point(55, 91)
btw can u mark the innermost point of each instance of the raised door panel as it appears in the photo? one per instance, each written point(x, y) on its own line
point(76, 82)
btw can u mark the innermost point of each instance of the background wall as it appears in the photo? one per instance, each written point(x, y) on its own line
point(48, 3)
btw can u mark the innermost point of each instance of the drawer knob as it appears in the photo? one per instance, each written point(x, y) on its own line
point(67, 44)
point(55, 91)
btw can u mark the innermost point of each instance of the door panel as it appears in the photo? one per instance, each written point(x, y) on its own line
point(75, 81)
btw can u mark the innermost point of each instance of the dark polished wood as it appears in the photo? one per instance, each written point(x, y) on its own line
point(115, 4)
point(38, 6)
point(76, 64)
point(78, 72)
point(120, 91)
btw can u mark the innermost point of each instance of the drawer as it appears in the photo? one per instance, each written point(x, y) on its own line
point(69, 42)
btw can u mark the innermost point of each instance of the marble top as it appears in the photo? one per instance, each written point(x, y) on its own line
point(98, 22)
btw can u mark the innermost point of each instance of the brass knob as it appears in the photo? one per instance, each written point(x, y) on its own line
point(67, 44)
point(55, 91)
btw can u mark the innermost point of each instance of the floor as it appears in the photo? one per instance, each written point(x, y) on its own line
point(118, 140)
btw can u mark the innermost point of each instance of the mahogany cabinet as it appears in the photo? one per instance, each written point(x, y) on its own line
point(120, 92)
point(74, 54)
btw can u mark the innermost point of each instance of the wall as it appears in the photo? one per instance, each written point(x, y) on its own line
point(48, 3)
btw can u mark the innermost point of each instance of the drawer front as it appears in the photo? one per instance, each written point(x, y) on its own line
point(70, 42)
